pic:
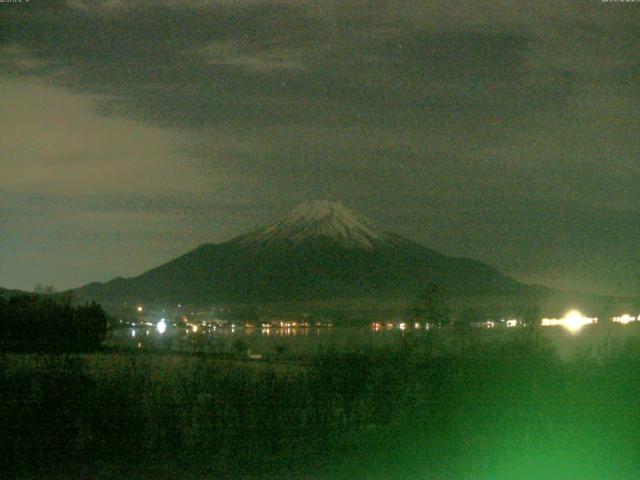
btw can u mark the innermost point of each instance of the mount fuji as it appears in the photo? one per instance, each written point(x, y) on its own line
point(321, 250)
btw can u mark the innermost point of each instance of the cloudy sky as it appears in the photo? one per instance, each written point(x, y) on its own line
point(133, 131)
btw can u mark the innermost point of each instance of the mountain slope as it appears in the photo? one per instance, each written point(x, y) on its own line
point(321, 250)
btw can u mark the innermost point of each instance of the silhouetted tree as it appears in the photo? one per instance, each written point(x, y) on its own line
point(530, 314)
point(41, 289)
point(39, 323)
point(432, 305)
point(466, 316)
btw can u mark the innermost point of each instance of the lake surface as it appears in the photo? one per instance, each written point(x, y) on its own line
point(295, 342)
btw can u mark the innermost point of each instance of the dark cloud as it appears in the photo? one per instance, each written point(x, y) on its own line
point(504, 135)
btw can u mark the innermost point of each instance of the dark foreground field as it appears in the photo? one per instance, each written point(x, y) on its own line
point(432, 406)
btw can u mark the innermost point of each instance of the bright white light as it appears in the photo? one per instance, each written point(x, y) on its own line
point(139, 309)
point(573, 321)
point(161, 326)
point(512, 323)
point(133, 333)
point(194, 328)
point(489, 324)
point(402, 326)
point(624, 319)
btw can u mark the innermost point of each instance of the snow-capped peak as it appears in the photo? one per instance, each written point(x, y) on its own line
point(321, 219)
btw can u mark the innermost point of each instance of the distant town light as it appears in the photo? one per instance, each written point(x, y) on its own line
point(133, 332)
point(194, 328)
point(161, 326)
point(512, 323)
point(624, 319)
point(573, 321)
point(139, 308)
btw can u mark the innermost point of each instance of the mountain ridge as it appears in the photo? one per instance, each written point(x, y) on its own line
point(320, 218)
point(320, 250)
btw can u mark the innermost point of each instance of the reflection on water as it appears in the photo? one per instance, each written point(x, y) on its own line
point(570, 335)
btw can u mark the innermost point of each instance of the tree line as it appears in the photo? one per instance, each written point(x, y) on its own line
point(43, 323)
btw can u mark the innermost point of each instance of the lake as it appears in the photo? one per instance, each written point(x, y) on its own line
point(271, 343)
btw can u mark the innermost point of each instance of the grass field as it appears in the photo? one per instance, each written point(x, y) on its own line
point(419, 409)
